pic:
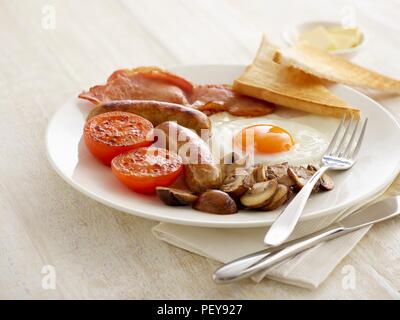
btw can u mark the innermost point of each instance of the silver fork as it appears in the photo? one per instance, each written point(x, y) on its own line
point(338, 156)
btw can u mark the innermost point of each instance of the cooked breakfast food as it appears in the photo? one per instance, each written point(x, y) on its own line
point(260, 187)
point(215, 201)
point(155, 84)
point(176, 197)
point(218, 98)
point(232, 151)
point(109, 134)
point(232, 147)
point(275, 138)
point(144, 169)
point(266, 79)
point(157, 112)
point(140, 84)
point(320, 63)
point(201, 170)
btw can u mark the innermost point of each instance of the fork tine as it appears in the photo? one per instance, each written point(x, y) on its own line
point(340, 146)
point(335, 136)
point(359, 141)
point(350, 145)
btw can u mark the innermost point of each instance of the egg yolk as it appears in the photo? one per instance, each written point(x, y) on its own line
point(264, 138)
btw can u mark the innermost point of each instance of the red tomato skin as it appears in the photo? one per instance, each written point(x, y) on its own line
point(145, 184)
point(105, 152)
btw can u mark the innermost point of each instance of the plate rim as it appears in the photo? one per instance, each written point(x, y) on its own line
point(220, 224)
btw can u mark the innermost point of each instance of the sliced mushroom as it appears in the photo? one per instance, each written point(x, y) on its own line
point(260, 194)
point(280, 197)
point(260, 173)
point(231, 163)
point(279, 171)
point(326, 182)
point(300, 176)
point(175, 197)
point(238, 183)
point(215, 201)
point(312, 167)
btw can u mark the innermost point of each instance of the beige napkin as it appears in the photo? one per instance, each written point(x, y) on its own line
point(308, 269)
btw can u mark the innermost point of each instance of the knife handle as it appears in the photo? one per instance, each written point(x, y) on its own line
point(249, 265)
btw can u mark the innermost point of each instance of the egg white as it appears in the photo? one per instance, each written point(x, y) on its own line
point(311, 135)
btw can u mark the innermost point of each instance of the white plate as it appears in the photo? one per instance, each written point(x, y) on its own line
point(378, 164)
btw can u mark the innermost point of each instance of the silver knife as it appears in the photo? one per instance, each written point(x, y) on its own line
point(249, 265)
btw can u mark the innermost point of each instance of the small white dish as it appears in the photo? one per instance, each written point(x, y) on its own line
point(291, 34)
point(377, 166)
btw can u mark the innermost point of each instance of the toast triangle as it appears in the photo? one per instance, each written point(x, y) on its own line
point(322, 64)
point(268, 80)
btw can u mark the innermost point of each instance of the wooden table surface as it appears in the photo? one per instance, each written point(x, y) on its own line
point(98, 252)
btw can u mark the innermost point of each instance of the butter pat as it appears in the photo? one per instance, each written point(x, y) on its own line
point(345, 38)
point(318, 37)
point(332, 38)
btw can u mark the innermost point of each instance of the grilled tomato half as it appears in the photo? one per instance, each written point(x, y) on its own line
point(144, 169)
point(110, 134)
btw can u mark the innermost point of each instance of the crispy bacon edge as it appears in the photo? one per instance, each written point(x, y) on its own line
point(150, 71)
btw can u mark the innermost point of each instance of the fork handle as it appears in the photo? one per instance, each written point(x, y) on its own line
point(284, 225)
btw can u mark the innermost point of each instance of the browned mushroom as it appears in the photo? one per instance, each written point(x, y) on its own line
point(238, 183)
point(279, 198)
point(215, 201)
point(260, 194)
point(260, 172)
point(312, 167)
point(175, 197)
point(300, 176)
point(326, 182)
point(279, 171)
point(228, 168)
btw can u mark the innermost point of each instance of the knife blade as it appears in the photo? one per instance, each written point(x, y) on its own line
point(247, 266)
point(379, 211)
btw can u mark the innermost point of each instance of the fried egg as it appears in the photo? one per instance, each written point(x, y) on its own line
point(272, 139)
